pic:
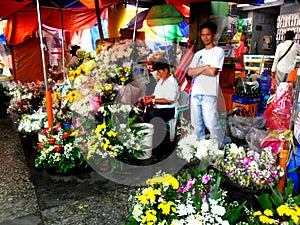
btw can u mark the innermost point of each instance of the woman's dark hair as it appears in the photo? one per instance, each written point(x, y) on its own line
point(289, 35)
point(209, 25)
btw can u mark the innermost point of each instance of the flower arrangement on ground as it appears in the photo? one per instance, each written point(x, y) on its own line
point(25, 97)
point(277, 208)
point(59, 149)
point(33, 123)
point(190, 147)
point(251, 169)
point(115, 136)
point(191, 199)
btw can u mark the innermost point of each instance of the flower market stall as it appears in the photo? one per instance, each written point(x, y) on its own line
point(96, 124)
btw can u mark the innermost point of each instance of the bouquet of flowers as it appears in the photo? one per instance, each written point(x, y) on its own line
point(251, 169)
point(277, 208)
point(59, 150)
point(191, 199)
point(108, 92)
point(116, 136)
point(190, 147)
point(113, 74)
point(25, 97)
point(33, 123)
point(122, 52)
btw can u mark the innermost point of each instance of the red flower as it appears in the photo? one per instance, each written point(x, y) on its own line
point(66, 135)
point(57, 127)
point(40, 145)
point(46, 131)
point(57, 148)
point(51, 140)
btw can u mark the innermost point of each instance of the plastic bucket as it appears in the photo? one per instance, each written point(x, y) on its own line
point(148, 131)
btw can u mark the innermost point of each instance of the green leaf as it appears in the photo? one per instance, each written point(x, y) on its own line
point(297, 199)
point(264, 200)
point(289, 187)
point(276, 197)
point(234, 215)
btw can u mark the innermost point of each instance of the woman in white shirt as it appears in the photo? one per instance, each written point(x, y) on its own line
point(165, 94)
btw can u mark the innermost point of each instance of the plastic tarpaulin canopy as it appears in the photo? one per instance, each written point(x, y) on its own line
point(23, 24)
point(160, 15)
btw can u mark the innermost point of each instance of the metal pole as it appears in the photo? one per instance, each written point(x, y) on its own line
point(48, 92)
point(42, 43)
point(63, 43)
point(135, 21)
point(100, 29)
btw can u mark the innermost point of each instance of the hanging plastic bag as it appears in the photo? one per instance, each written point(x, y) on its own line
point(278, 112)
point(240, 126)
point(254, 138)
point(131, 92)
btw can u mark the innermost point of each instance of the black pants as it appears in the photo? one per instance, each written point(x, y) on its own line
point(165, 113)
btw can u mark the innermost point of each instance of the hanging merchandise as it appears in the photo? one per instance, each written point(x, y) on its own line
point(278, 112)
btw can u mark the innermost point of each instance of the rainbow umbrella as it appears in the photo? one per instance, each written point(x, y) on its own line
point(167, 20)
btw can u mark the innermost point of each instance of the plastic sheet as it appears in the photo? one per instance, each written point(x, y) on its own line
point(131, 92)
point(278, 112)
point(254, 138)
point(240, 126)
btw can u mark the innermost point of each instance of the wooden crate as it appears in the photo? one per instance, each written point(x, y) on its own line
point(227, 94)
point(251, 108)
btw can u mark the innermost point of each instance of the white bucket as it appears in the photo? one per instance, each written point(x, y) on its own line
point(148, 130)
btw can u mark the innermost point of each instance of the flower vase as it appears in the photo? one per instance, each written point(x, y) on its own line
point(282, 161)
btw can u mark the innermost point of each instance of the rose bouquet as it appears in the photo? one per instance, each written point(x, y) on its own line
point(25, 97)
point(191, 199)
point(251, 169)
point(59, 150)
point(122, 52)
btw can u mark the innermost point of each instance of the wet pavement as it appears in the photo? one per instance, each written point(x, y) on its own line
point(30, 196)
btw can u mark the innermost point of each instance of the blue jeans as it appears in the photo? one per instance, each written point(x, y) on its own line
point(204, 114)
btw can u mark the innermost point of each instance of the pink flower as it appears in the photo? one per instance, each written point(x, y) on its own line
point(206, 178)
